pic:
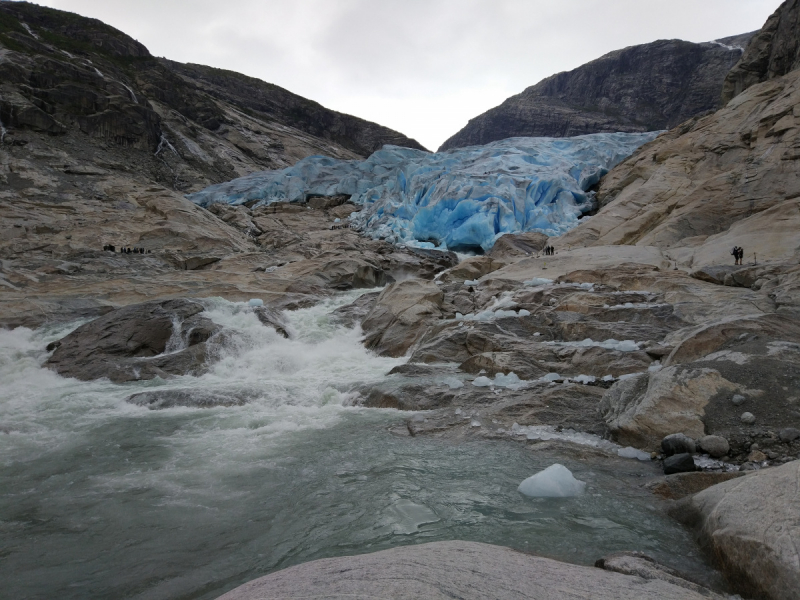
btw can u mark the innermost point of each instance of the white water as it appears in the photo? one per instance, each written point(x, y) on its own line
point(100, 498)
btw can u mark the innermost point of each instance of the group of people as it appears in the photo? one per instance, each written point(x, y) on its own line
point(342, 226)
point(110, 248)
point(549, 251)
point(738, 255)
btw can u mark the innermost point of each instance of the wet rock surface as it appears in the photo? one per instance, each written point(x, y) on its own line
point(137, 342)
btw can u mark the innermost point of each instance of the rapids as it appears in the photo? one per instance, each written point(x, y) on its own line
point(100, 498)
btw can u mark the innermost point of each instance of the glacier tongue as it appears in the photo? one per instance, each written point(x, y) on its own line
point(462, 199)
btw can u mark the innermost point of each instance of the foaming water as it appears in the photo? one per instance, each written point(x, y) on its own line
point(100, 498)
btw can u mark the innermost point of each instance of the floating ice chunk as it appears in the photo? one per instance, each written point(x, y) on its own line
point(631, 452)
point(537, 281)
point(537, 334)
point(482, 381)
point(556, 481)
point(511, 381)
point(608, 378)
point(463, 199)
point(587, 286)
point(550, 377)
point(256, 302)
point(337, 220)
point(584, 379)
point(524, 313)
point(656, 366)
point(470, 282)
point(453, 383)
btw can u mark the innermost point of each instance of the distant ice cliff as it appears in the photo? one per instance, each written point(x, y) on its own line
point(460, 199)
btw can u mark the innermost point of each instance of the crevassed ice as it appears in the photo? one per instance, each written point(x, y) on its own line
point(462, 199)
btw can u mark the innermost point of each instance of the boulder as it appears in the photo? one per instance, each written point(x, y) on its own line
point(789, 434)
point(640, 411)
point(457, 569)
point(679, 463)
point(751, 527)
point(140, 341)
point(677, 443)
point(400, 316)
point(714, 445)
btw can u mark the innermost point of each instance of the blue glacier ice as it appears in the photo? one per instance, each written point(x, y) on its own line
point(462, 199)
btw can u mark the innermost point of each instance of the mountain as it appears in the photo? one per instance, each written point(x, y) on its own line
point(724, 179)
point(102, 95)
point(640, 88)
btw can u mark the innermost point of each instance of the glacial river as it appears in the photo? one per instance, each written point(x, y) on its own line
point(100, 498)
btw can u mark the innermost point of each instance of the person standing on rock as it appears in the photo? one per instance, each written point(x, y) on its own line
point(735, 254)
point(741, 255)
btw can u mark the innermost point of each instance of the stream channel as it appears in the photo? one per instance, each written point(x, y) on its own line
point(100, 498)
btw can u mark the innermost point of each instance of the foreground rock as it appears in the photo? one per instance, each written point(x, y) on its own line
point(464, 570)
point(751, 527)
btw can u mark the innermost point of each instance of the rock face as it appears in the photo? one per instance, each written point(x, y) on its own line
point(772, 52)
point(462, 570)
point(751, 527)
point(641, 88)
point(394, 324)
point(718, 181)
point(137, 342)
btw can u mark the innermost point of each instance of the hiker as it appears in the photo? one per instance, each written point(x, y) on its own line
point(741, 255)
point(735, 254)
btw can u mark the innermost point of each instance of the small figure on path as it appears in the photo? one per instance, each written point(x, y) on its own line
point(741, 255)
point(735, 254)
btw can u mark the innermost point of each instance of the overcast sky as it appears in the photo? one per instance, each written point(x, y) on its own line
point(422, 67)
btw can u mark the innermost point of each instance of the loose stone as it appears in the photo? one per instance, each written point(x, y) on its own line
point(679, 463)
point(789, 434)
point(716, 446)
point(747, 418)
point(738, 399)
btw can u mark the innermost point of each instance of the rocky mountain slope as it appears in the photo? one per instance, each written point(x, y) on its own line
point(729, 178)
point(97, 94)
point(641, 88)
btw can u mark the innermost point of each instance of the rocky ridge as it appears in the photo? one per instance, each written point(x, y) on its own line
point(641, 88)
point(98, 95)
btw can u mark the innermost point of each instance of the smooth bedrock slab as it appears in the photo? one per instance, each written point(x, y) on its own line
point(456, 569)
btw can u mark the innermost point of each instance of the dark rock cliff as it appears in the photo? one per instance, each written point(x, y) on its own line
point(773, 51)
point(186, 126)
point(640, 88)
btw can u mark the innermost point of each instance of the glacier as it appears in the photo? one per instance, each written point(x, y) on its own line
point(461, 199)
